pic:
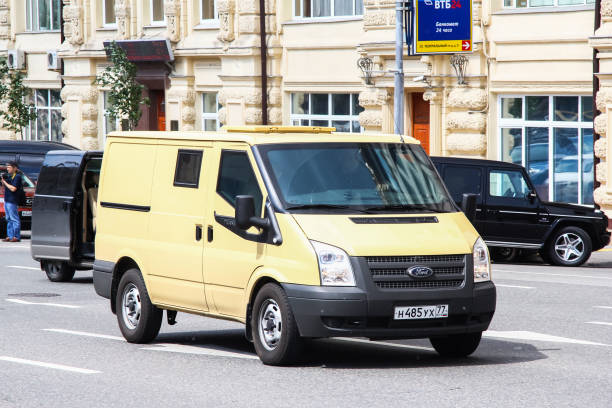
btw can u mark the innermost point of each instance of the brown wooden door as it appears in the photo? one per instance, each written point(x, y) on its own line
point(420, 120)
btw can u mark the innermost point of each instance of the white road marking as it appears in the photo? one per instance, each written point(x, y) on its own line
point(24, 302)
point(31, 268)
point(513, 286)
point(555, 274)
point(382, 343)
point(601, 323)
point(603, 307)
point(49, 365)
point(527, 335)
point(208, 351)
point(86, 334)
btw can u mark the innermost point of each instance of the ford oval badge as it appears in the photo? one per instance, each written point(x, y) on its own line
point(420, 272)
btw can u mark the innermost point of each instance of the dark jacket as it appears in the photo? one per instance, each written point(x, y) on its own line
point(10, 196)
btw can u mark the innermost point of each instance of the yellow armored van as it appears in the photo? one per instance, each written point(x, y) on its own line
point(297, 232)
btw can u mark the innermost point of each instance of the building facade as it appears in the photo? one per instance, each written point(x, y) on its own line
point(527, 96)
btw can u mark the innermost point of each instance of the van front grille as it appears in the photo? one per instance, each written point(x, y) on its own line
point(391, 272)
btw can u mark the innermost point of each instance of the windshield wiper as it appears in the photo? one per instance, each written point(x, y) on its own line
point(403, 207)
point(317, 206)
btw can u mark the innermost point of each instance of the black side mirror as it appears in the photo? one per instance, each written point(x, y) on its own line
point(468, 206)
point(531, 196)
point(245, 214)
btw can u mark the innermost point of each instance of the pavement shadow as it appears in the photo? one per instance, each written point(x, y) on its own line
point(347, 354)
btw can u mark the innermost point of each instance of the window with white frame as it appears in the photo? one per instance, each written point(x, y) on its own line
point(208, 10)
point(327, 8)
point(544, 3)
point(337, 110)
point(48, 122)
point(43, 15)
point(108, 12)
point(210, 111)
point(552, 137)
point(157, 12)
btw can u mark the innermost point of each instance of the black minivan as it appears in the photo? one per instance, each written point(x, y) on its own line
point(511, 217)
point(64, 213)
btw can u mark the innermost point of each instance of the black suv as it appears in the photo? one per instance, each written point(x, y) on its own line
point(29, 155)
point(64, 213)
point(511, 217)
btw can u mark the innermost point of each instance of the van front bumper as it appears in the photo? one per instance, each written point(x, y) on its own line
point(347, 312)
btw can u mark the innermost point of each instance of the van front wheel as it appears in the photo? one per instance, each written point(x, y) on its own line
point(456, 345)
point(274, 329)
point(139, 320)
point(58, 271)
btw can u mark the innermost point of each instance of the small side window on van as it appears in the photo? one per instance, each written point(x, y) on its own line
point(462, 179)
point(188, 167)
point(236, 177)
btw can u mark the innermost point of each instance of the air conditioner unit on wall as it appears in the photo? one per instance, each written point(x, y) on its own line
point(15, 59)
point(53, 61)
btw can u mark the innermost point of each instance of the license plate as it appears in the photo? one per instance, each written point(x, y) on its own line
point(26, 213)
point(421, 312)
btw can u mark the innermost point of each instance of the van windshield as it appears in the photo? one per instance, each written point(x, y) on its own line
point(369, 177)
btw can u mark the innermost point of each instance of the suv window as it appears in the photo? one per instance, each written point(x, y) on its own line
point(188, 166)
point(236, 177)
point(507, 184)
point(462, 179)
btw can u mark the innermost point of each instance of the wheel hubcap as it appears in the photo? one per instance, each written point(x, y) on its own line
point(569, 247)
point(270, 324)
point(131, 306)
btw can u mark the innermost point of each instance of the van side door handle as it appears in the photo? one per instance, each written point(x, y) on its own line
point(210, 233)
point(198, 233)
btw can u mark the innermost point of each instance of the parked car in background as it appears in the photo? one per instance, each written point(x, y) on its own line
point(29, 155)
point(64, 213)
point(25, 211)
point(510, 216)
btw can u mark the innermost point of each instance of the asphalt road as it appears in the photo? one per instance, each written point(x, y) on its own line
point(550, 345)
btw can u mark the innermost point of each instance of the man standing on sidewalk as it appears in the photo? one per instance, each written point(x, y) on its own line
point(12, 189)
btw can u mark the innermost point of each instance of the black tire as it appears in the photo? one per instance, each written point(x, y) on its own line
point(504, 254)
point(137, 326)
point(544, 255)
point(270, 302)
point(579, 240)
point(2, 227)
point(58, 271)
point(456, 345)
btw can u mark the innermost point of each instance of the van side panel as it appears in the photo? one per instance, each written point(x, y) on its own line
point(124, 200)
point(176, 247)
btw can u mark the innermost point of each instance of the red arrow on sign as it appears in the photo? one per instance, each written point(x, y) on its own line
point(466, 45)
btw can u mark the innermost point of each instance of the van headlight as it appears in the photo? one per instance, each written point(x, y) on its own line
point(334, 265)
point(482, 264)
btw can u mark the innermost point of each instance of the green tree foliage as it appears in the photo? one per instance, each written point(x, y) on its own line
point(125, 94)
point(18, 113)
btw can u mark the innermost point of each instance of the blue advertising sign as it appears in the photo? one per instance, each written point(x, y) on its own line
point(443, 26)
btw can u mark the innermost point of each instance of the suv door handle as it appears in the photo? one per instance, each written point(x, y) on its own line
point(198, 233)
point(66, 205)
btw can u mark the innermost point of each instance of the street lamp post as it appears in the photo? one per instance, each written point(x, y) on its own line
point(398, 104)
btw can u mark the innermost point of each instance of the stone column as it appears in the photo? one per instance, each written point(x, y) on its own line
point(172, 10)
point(80, 114)
point(122, 15)
point(180, 104)
point(602, 42)
point(373, 100)
point(73, 22)
point(465, 122)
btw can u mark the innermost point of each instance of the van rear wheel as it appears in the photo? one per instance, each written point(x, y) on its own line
point(58, 271)
point(456, 345)
point(139, 320)
point(274, 329)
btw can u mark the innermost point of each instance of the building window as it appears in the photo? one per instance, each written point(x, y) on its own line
point(544, 3)
point(43, 15)
point(327, 8)
point(208, 10)
point(338, 110)
point(157, 12)
point(210, 111)
point(108, 12)
point(48, 122)
point(552, 137)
